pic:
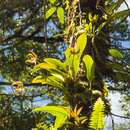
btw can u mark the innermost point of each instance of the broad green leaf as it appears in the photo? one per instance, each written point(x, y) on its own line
point(116, 53)
point(89, 64)
point(80, 46)
point(81, 43)
point(60, 112)
point(54, 81)
point(52, 1)
point(73, 55)
point(45, 66)
point(67, 61)
point(60, 120)
point(58, 76)
point(68, 54)
point(58, 71)
point(72, 62)
point(54, 110)
point(60, 14)
point(50, 12)
point(50, 80)
point(56, 62)
point(75, 61)
point(38, 79)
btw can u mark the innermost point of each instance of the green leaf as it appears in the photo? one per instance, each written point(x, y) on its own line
point(74, 54)
point(54, 110)
point(90, 27)
point(50, 12)
point(60, 120)
point(68, 54)
point(90, 17)
point(45, 66)
point(38, 79)
point(53, 66)
point(50, 80)
point(116, 53)
point(116, 66)
point(119, 15)
point(81, 43)
point(72, 62)
point(114, 6)
point(97, 117)
point(122, 76)
point(56, 62)
point(60, 112)
point(60, 14)
point(89, 64)
point(52, 1)
point(75, 61)
point(58, 76)
point(100, 27)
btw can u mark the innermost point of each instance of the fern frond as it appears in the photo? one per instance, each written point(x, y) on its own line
point(97, 116)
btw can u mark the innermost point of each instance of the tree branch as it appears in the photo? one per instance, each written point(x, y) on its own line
point(120, 116)
point(26, 96)
point(41, 39)
point(25, 84)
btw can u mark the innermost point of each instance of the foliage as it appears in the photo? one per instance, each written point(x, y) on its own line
point(35, 33)
point(75, 114)
point(89, 63)
point(67, 73)
point(115, 53)
point(60, 112)
point(15, 116)
point(60, 70)
point(97, 116)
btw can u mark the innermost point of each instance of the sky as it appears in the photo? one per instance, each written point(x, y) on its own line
point(123, 6)
point(126, 44)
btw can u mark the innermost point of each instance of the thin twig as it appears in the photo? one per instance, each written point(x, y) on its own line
point(26, 96)
point(45, 28)
point(112, 121)
point(126, 4)
point(80, 14)
point(120, 116)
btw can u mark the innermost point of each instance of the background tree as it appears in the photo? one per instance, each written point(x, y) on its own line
point(29, 26)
